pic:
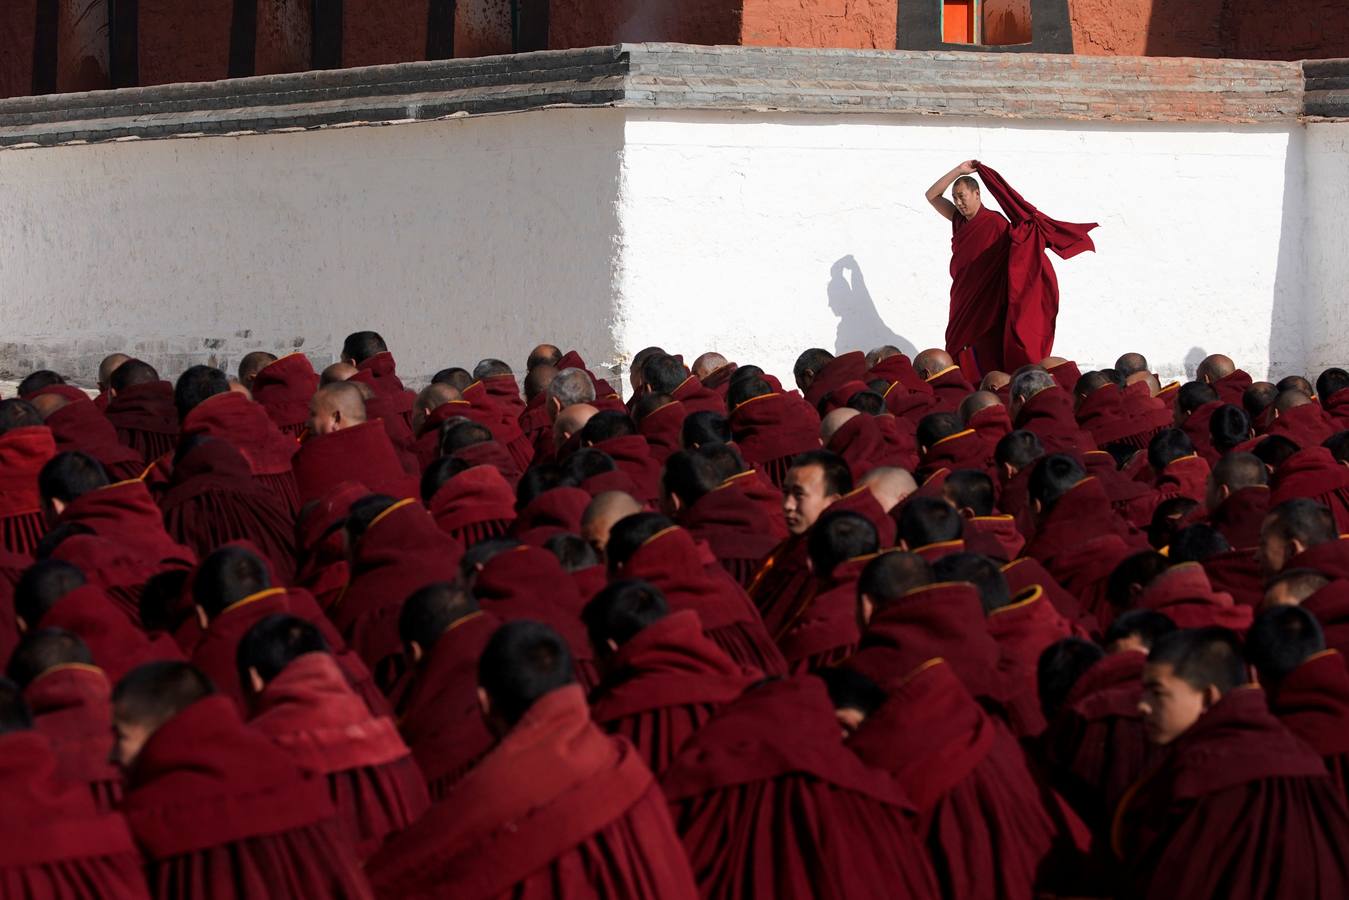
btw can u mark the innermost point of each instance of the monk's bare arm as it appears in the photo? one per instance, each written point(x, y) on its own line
point(936, 193)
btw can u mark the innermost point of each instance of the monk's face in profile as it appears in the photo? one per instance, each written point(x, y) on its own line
point(1275, 551)
point(322, 416)
point(1170, 705)
point(804, 497)
point(128, 739)
point(967, 200)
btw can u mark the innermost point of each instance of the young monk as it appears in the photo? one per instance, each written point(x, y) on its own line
point(1200, 823)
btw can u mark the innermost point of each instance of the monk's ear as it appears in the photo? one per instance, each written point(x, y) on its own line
point(58, 505)
point(1224, 491)
point(23, 626)
point(415, 652)
point(1211, 696)
point(611, 644)
point(675, 503)
point(1296, 547)
point(966, 513)
point(866, 609)
point(1009, 471)
point(484, 703)
point(202, 618)
point(255, 680)
point(1037, 506)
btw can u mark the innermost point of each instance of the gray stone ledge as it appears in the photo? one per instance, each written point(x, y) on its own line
point(685, 77)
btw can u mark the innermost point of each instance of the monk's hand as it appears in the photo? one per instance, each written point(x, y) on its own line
point(968, 167)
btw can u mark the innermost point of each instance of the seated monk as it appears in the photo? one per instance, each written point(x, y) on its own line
point(469, 503)
point(299, 697)
point(889, 486)
point(946, 380)
point(341, 449)
point(54, 594)
point(26, 445)
point(819, 373)
point(1301, 419)
point(471, 442)
point(435, 404)
point(972, 494)
point(78, 425)
point(348, 404)
point(1036, 403)
point(889, 364)
point(1315, 474)
point(1180, 472)
point(498, 379)
point(990, 828)
point(615, 434)
point(1300, 537)
point(56, 843)
point(945, 443)
point(770, 427)
point(375, 366)
point(321, 567)
point(71, 701)
point(825, 630)
point(650, 547)
point(714, 371)
point(1306, 684)
point(661, 678)
point(212, 499)
point(601, 515)
point(1220, 372)
point(284, 387)
point(932, 528)
point(839, 828)
point(1237, 498)
point(665, 374)
point(1015, 456)
point(515, 826)
point(1184, 594)
point(1229, 761)
point(218, 810)
point(206, 405)
point(251, 364)
point(140, 407)
point(725, 514)
point(444, 633)
point(1196, 404)
point(1229, 428)
point(110, 364)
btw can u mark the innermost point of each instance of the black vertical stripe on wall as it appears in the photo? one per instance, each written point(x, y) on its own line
point(326, 36)
point(440, 29)
point(531, 25)
point(243, 39)
point(124, 60)
point(44, 47)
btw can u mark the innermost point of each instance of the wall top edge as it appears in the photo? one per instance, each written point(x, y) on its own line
point(687, 77)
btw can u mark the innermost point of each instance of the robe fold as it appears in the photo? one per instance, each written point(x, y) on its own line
point(475, 505)
point(23, 453)
point(311, 712)
point(691, 579)
point(505, 393)
point(234, 418)
point(1049, 415)
point(633, 457)
point(1330, 605)
point(80, 426)
point(117, 645)
point(697, 397)
point(963, 450)
point(362, 453)
point(1238, 518)
point(284, 388)
point(484, 409)
point(441, 720)
point(213, 499)
point(1307, 425)
point(825, 632)
point(898, 369)
point(1185, 477)
point(736, 521)
point(72, 706)
point(1196, 427)
point(1183, 593)
point(380, 372)
point(851, 366)
point(767, 818)
point(1237, 572)
point(109, 564)
point(663, 430)
point(1023, 630)
point(219, 811)
point(664, 684)
point(54, 843)
point(998, 536)
point(557, 809)
point(773, 428)
point(1200, 823)
point(400, 552)
point(126, 513)
point(1232, 388)
point(1024, 573)
point(1312, 702)
point(1081, 539)
point(555, 511)
point(991, 829)
point(949, 388)
point(1313, 474)
point(1337, 407)
point(321, 542)
point(145, 419)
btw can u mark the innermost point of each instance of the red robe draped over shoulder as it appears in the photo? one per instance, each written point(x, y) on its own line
point(23, 453)
point(773, 428)
point(381, 373)
point(558, 809)
point(851, 366)
point(1312, 701)
point(284, 388)
point(54, 843)
point(221, 812)
point(126, 513)
point(362, 453)
point(1313, 473)
point(116, 644)
point(146, 419)
point(664, 684)
point(80, 426)
point(475, 505)
point(764, 817)
point(1183, 593)
point(72, 706)
point(1200, 823)
point(824, 632)
point(736, 522)
point(233, 417)
point(310, 711)
point(555, 511)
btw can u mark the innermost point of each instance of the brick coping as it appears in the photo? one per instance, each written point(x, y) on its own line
point(686, 77)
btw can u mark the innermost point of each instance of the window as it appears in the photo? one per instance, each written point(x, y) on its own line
point(1039, 26)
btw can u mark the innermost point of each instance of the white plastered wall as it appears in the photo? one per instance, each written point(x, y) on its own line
point(737, 228)
point(1327, 246)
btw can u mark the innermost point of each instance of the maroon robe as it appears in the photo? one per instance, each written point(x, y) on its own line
point(765, 818)
point(310, 711)
point(1025, 572)
point(1238, 518)
point(978, 315)
point(1148, 414)
point(213, 499)
point(825, 632)
point(361, 453)
point(126, 514)
point(691, 579)
point(772, 429)
point(603, 389)
point(116, 645)
point(1337, 406)
point(719, 379)
point(992, 423)
point(555, 511)
point(441, 719)
point(491, 453)
point(663, 430)
point(1023, 630)
point(962, 450)
point(23, 453)
point(898, 369)
point(535, 422)
point(72, 706)
point(234, 418)
point(664, 684)
point(504, 424)
point(1196, 427)
point(321, 543)
point(1049, 414)
point(1313, 703)
point(1066, 374)
point(284, 388)
point(740, 530)
point(54, 843)
point(400, 552)
point(475, 505)
point(865, 445)
point(991, 830)
point(12, 566)
point(1307, 425)
point(1199, 824)
point(1185, 477)
point(557, 809)
point(380, 372)
point(911, 405)
point(146, 419)
point(998, 532)
point(697, 397)
point(1096, 745)
point(850, 366)
point(113, 567)
point(784, 583)
point(949, 388)
point(219, 811)
point(1237, 572)
point(1232, 388)
point(1330, 558)
point(1082, 538)
point(633, 457)
point(79, 426)
point(1314, 474)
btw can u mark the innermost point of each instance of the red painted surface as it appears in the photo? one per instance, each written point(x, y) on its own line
point(957, 21)
point(590, 23)
point(284, 36)
point(482, 27)
point(1006, 22)
point(179, 41)
point(82, 45)
point(376, 32)
point(1246, 29)
point(852, 24)
point(17, 26)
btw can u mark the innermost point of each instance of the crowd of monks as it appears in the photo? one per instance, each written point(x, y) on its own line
point(879, 632)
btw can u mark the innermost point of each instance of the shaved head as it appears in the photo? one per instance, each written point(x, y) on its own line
point(975, 402)
point(252, 364)
point(995, 381)
point(831, 423)
point(1296, 383)
point(1154, 385)
point(881, 354)
point(1215, 367)
point(336, 406)
point(108, 366)
point(1130, 363)
point(603, 513)
point(47, 404)
point(708, 363)
point(1290, 399)
point(431, 398)
point(570, 421)
point(930, 362)
point(543, 355)
point(338, 371)
point(889, 485)
point(538, 379)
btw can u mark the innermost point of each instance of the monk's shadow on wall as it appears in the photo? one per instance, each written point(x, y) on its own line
point(860, 326)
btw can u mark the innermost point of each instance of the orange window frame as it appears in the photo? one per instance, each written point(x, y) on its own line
point(960, 21)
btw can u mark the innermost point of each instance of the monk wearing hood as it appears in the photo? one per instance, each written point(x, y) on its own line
point(26, 444)
point(217, 809)
point(141, 409)
point(515, 824)
point(283, 388)
point(731, 515)
point(375, 366)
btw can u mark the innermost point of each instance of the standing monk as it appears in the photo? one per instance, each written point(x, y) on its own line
point(1004, 294)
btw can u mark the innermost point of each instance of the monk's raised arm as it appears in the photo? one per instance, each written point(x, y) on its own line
point(936, 193)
